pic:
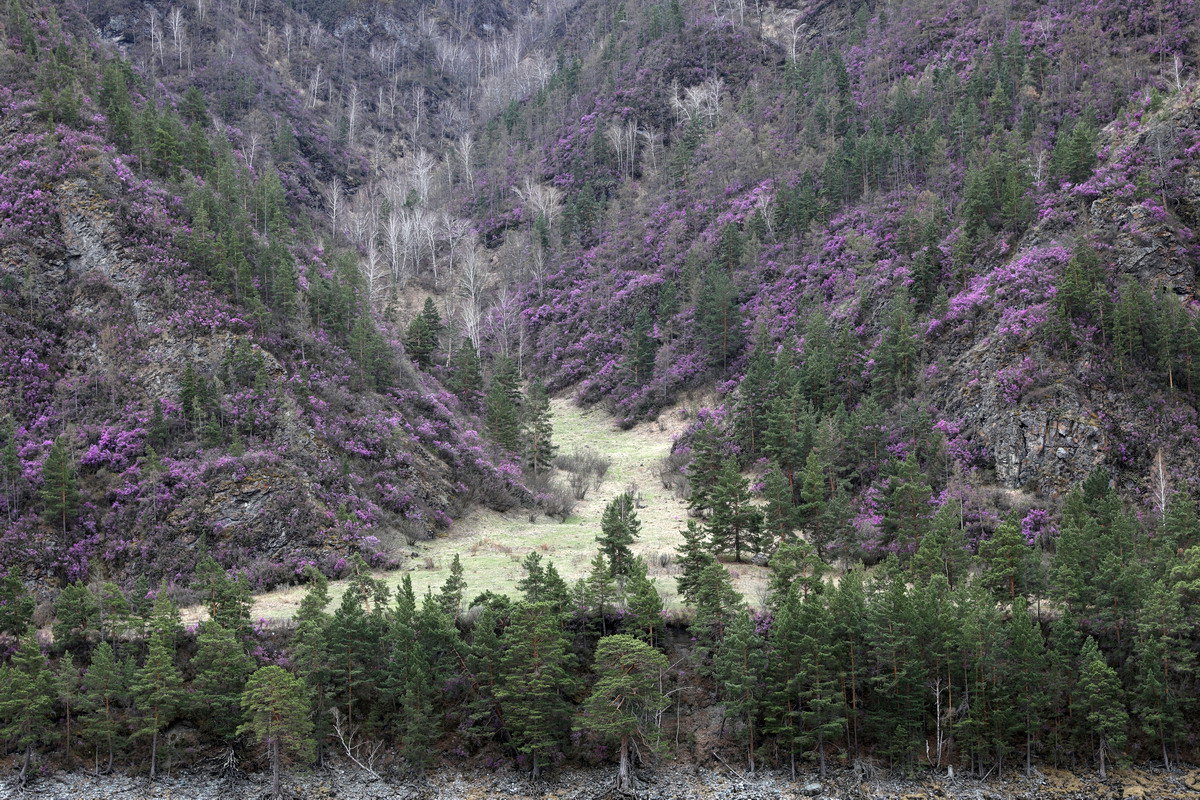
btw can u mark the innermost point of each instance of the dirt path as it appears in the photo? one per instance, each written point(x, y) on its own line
point(492, 544)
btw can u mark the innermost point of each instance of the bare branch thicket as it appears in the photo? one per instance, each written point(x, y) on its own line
point(545, 201)
point(586, 470)
point(623, 137)
point(652, 143)
point(701, 102)
point(375, 275)
point(421, 166)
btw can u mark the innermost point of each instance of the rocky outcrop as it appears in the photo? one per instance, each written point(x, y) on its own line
point(119, 333)
point(1044, 420)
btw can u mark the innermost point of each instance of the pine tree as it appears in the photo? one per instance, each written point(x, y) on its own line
point(188, 394)
point(943, 550)
point(821, 700)
point(60, 489)
point(441, 651)
point(694, 554)
point(619, 528)
point(817, 377)
point(75, 613)
point(162, 618)
point(641, 350)
point(407, 681)
point(159, 431)
point(113, 611)
point(502, 406)
point(451, 593)
point(10, 468)
point(556, 591)
point(814, 490)
point(536, 683)
point(533, 584)
point(27, 701)
point(1027, 673)
point(222, 668)
point(906, 516)
point(627, 695)
point(483, 659)
point(753, 398)
point(714, 608)
point(1163, 660)
point(985, 732)
point(787, 435)
point(805, 705)
point(1062, 655)
point(310, 652)
point(466, 377)
point(599, 590)
point(421, 338)
point(897, 695)
point(643, 603)
point(836, 523)
point(782, 709)
point(1005, 558)
point(739, 668)
point(735, 524)
point(354, 641)
point(1180, 527)
point(103, 689)
point(704, 468)
point(795, 564)
point(16, 605)
point(1101, 702)
point(1074, 152)
point(848, 623)
point(1125, 328)
point(539, 432)
point(157, 691)
point(779, 512)
point(277, 717)
point(718, 317)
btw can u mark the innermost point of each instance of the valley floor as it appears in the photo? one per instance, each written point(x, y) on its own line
point(491, 544)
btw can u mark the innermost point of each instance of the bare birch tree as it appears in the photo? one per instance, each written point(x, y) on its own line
point(175, 20)
point(545, 201)
point(157, 48)
point(464, 149)
point(334, 201)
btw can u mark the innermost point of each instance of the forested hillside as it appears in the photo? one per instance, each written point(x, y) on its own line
point(286, 287)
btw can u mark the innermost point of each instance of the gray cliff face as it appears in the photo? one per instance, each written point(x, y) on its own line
point(1057, 419)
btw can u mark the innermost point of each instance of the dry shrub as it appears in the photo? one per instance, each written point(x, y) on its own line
point(558, 501)
point(586, 470)
point(670, 472)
